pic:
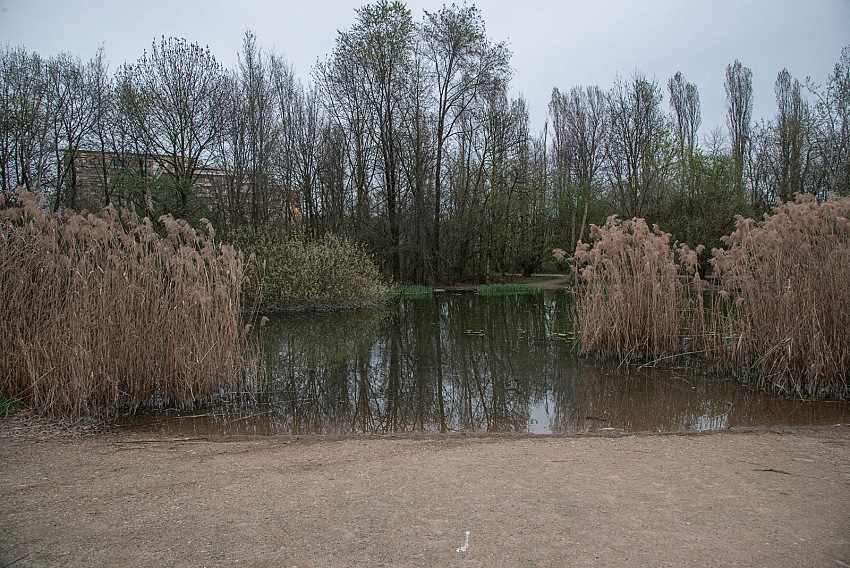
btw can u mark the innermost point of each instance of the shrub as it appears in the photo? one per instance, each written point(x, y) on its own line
point(783, 319)
point(631, 303)
point(317, 274)
point(98, 312)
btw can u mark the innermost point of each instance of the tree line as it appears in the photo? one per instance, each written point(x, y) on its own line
point(407, 139)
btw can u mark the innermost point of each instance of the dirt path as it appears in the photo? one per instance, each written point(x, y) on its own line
point(731, 499)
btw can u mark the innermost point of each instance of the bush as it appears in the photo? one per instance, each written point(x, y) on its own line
point(98, 312)
point(631, 303)
point(783, 318)
point(317, 274)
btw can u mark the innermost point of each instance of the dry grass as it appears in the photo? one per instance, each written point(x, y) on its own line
point(633, 305)
point(98, 312)
point(781, 319)
point(784, 314)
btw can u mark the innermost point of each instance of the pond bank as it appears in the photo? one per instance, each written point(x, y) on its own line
point(769, 497)
point(544, 281)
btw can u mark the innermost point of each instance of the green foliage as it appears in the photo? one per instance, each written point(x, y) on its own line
point(704, 212)
point(506, 289)
point(321, 273)
point(8, 405)
point(177, 198)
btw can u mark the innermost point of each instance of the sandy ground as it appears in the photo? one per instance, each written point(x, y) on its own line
point(756, 498)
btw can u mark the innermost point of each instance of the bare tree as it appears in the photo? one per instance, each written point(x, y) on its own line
point(346, 101)
point(378, 49)
point(637, 146)
point(25, 122)
point(259, 113)
point(72, 111)
point(172, 99)
point(308, 131)
point(462, 60)
point(579, 125)
point(832, 110)
point(105, 136)
point(417, 160)
point(791, 137)
point(739, 111)
point(684, 101)
point(331, 173)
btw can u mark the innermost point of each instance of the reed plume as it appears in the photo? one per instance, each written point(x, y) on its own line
point(631, 302)
point(783, 315)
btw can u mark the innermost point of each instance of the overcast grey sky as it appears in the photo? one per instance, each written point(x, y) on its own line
point(554, 43)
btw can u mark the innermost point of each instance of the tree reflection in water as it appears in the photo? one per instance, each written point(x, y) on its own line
point(460, 362)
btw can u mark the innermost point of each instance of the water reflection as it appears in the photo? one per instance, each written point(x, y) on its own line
point(461, 362)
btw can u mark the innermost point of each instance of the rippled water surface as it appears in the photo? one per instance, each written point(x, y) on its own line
point(460, 362)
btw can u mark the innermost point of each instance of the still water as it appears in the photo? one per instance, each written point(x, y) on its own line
point(465, 363)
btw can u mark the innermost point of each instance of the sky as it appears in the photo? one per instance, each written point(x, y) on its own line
point(554, 43)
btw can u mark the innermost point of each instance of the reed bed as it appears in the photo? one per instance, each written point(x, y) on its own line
point(631, 303)
point(782, 318)
point(99, 312)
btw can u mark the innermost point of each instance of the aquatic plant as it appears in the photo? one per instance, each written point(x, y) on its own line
point(99, 312)
point(783, 314)
point(506, 289)
point(631, 303)
point(411, 292)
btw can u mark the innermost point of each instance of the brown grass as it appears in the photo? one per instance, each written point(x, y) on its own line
point(784, 314)
point(632, 304)
point(98, 312)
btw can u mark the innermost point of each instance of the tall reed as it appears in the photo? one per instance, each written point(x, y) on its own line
point(98, 312)
point(631, 303)
point(783, 318)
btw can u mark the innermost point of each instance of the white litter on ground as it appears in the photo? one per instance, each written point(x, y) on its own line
point(465, 544)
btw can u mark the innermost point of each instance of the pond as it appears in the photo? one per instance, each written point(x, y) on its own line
point(459, 362)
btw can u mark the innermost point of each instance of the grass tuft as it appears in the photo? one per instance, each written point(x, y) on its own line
point(411, 292)
point(8, 406)
point(781, 318)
